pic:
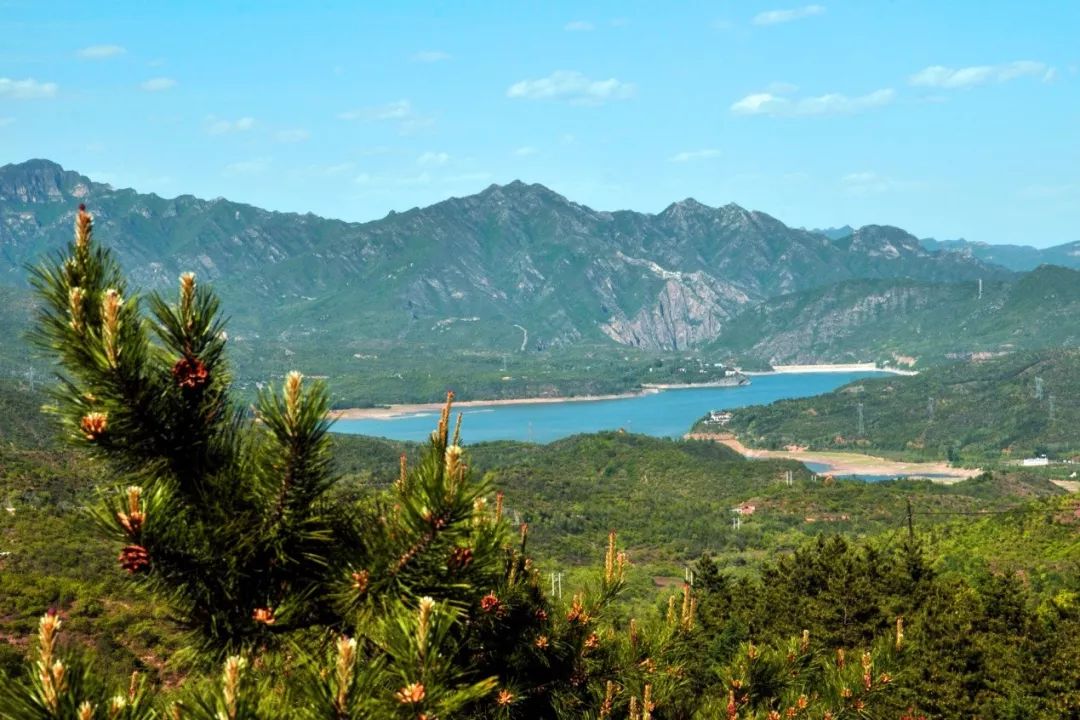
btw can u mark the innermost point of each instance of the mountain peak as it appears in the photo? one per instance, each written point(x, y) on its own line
point(39, 180)
point(32, 165)
point(520, 191)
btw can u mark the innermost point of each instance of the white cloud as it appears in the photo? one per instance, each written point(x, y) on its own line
point(255, 166)
point(28, 89)
point(768, 103)
point(939, 76)
point(430, 56)
point(690, 155)
point(157, 84)
point(101, 52)
point(220, 126)
point(571, 86)
point(292, 135)
point(758, 104)
point(775, 17)
point(836, 104)
point(432, 159)
point(525, 151)
point(399, 111)
point(578, 26)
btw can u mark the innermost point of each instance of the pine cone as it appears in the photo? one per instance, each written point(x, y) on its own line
point(134, 558)
point(190, 373)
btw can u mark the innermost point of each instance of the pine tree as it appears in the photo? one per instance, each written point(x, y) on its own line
point(419, 604)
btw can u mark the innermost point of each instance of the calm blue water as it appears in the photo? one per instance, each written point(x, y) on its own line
point(665, 414)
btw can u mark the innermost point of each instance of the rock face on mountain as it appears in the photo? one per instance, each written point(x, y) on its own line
point(512, 259)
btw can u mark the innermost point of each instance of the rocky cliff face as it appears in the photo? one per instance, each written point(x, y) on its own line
point(510, 257)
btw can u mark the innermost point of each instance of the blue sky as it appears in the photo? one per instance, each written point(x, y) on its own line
point(958, 119)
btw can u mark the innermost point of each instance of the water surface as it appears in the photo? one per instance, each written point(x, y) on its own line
point(664, 414)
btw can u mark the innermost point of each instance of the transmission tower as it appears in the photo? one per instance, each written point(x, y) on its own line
point(1038, 388)
point(862, 426)
point(1050, 398)
point(930, 409)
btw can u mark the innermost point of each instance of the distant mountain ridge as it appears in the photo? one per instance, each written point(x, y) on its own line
point(1019, 258)
point(1014, 257)
point(512, 262)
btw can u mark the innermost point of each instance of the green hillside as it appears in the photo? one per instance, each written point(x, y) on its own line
point(995, 410)
point(902, 322)
point(672, 500)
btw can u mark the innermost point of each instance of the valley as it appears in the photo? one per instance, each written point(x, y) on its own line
point(539, 361)
point(870, 390)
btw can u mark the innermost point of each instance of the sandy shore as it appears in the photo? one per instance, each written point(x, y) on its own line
point(387, 412)
point(830, 368)
point(392, 411)
point(845, 463)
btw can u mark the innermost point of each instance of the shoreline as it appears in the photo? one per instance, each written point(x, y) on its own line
point(389, 412)
point(829, 368)
point(847, 463)
point(397, 410)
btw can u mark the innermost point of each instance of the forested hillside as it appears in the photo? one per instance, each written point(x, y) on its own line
point(670, 501)
point(906, 323)
point(1000, 409)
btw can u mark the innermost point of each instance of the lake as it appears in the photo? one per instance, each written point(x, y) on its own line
point(664, 414)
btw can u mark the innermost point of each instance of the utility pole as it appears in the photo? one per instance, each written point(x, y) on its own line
point(862, 426)
point(930, 409)
point(910, 521)
point(980, 288)
point(1050, 398)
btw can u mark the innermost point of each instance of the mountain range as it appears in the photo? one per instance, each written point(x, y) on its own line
point(516, 265)
point(521, 291)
